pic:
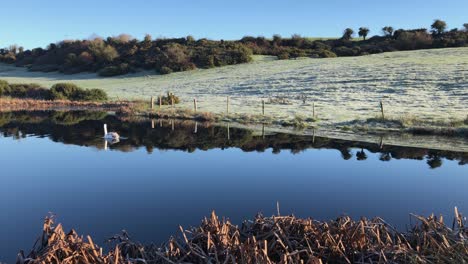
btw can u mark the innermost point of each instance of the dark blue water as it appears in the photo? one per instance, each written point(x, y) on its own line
point(150, 192)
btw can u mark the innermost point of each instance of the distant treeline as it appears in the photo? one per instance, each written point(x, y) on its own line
point(124, 54)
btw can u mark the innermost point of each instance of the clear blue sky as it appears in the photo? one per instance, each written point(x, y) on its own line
point(33, 23)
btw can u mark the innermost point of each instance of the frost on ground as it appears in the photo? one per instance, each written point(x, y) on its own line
point(427, 84)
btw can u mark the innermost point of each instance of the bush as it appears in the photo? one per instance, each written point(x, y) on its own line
point(344, 51)
point(91, 95)
point(4, 88)
point(165, 70)
point(34, 91)
point(325, 53)
point(167, 100)
point(63, 91)
point(109, 71)
point(284, 55)
point(69, 91)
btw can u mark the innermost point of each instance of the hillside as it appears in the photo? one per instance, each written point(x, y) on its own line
point(424, 84)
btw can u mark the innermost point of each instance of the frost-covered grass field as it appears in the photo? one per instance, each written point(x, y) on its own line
point(427, 84)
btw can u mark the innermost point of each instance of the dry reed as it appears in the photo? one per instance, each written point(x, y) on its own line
point(276, 239)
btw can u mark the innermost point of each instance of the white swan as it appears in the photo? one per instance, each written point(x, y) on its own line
point(110, 135)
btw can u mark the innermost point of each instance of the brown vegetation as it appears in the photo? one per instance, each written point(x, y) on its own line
point(123, 54)
point(13, 104)
point(276, 239)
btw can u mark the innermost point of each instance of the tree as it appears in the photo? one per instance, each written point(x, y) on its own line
point(348, 34)
point(297, 40)
point(13, 48)
point(277, 39)
point(123, 38)
point(466, 27)
point(102, 52)
point(85, 58)
point(388, 31)
point(190, 39)
point(148, 38)
point(363, 31)
point(438, 27)
point(146, 43)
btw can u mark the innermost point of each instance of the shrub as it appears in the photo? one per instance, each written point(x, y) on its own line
point(323, 53)
point(165, 70)
point(91, 95)
point(32, 90)
point(167, 100)
point(109, 71)
point(4, 88)
point(63, 91)
point(70, 91)
point(284, 55)
point(344, 51)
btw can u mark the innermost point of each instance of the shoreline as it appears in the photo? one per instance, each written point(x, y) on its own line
point(435, 137)
point(275, 239)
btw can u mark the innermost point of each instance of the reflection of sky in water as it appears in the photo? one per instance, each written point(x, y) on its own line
point(103, 192)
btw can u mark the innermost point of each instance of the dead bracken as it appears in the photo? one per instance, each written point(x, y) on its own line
point(276, 239)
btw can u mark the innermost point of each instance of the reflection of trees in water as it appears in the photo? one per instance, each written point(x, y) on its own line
point(346, 153)
point(361, 155)
point(85, 129)
point(434, 161)
point(385, 156)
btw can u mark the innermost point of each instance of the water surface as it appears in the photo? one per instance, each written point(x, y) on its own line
point(158, 178)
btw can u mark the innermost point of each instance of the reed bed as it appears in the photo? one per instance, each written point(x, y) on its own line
point(276, 239)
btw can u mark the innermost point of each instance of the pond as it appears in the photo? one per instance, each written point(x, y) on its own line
point(163, 174)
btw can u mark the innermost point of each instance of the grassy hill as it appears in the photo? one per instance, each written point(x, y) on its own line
point(423, 84)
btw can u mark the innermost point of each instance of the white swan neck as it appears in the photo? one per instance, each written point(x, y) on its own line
point(105, 129)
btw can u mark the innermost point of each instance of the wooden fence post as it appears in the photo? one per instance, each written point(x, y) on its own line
point(152, 102)
point(313, 110)
point(172, 105)
point(195, 105)
point(227, 105)
point(160, 102)
point(263, 107)
point(382, 110)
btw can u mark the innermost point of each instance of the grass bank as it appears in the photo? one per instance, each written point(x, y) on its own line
point(276, 239)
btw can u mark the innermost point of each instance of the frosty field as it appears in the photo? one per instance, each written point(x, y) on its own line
point(427, 84)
